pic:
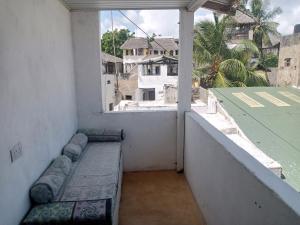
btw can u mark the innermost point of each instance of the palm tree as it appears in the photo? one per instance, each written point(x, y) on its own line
point(218, 65)
point(265, 26)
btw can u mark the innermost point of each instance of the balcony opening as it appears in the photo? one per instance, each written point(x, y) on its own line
point(149, 57)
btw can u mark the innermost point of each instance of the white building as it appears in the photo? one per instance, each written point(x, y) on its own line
point(112, 67)
point(157, 79)
point(136, 49)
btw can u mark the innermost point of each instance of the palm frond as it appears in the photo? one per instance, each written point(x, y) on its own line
point(256, 78)
point(221, 81)
point(273, 13)
point(233, 69)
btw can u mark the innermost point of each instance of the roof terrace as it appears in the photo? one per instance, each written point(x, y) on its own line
point(51, 87)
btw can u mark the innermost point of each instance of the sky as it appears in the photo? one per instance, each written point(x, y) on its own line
point(165, 22)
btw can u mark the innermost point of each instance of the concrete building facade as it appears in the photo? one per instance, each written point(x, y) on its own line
point(157, 77)
point(112, 68)
point(289, 61)
point(136, 49)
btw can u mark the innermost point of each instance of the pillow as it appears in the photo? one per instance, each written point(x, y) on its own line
point(72, 151)
point(46, 188)
point(79, 139)
point(104, 135)
point(61, 164)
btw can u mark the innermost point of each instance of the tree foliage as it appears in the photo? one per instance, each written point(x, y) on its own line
point(269, 60)
point(218, 65)
point(120, 37)
point(264, 27)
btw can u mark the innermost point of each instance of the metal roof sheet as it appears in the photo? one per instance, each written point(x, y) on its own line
point(273, 126)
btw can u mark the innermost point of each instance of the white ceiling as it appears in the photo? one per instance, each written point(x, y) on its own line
point(146, 4)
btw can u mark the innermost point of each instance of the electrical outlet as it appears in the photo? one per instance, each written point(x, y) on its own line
point(16, 152)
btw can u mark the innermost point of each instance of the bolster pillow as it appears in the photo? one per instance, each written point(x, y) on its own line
point(104, 135)
point(72, 151)
point(47, 187)
point(62, 164)
point(79, 139)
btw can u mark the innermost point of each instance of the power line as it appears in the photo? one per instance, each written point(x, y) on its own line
point(142, 30)
point(114, 47)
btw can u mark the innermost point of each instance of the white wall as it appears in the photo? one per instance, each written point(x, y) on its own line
point(87, 62)
point(108, 82)
point(37, 95)
point(230, 186)
point(151, 136)
point(155, 81)
point(150, 142)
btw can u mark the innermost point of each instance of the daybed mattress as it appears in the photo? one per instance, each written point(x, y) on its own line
point(89, 195)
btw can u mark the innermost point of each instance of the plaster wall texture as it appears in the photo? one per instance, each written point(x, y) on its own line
point(229, 185)
point(150, 142)
point(37, 95)
point(87, 58)
point(158, 82)
point(108, 90)
point(289, 75)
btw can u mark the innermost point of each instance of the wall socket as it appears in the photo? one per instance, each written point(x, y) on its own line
point(16, 152)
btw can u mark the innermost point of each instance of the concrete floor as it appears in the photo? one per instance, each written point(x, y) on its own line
point(158, 198)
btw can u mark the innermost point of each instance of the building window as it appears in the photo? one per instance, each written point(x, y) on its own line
point(151, 70)
point(287, 62)
point(110, 68)
point(149, 94)
point(176, 52)
point(161, 52)
point(140, 51)
point(155, 52)
point(111, 106)
point(171, 52)
point(128, 97)
point(173, 70)
point(157, 70)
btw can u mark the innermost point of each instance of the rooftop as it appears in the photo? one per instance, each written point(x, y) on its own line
point(110, 58)
point(56, 90)
point(159, 59)
point(159, 44)
point(269, 117)
point(241, 17)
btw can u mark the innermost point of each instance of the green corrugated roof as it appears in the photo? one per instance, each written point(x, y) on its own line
point(273, 125)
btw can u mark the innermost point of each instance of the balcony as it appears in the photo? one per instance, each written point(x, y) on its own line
point(50, 87)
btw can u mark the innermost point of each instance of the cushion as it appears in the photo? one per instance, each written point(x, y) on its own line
point(104, 135)
point(79, 139)
point(62, 164)
point(47, 187)
point(72, 151)
point(62, 213)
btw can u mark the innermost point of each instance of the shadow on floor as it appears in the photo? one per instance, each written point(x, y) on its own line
point(158, 198)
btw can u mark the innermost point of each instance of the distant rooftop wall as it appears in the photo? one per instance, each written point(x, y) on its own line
point(290, 40)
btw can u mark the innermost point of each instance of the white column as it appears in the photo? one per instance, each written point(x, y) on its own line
point(184, 79)
point(87, 66)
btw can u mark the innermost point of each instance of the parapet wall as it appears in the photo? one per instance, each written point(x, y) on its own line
point(290, 40)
